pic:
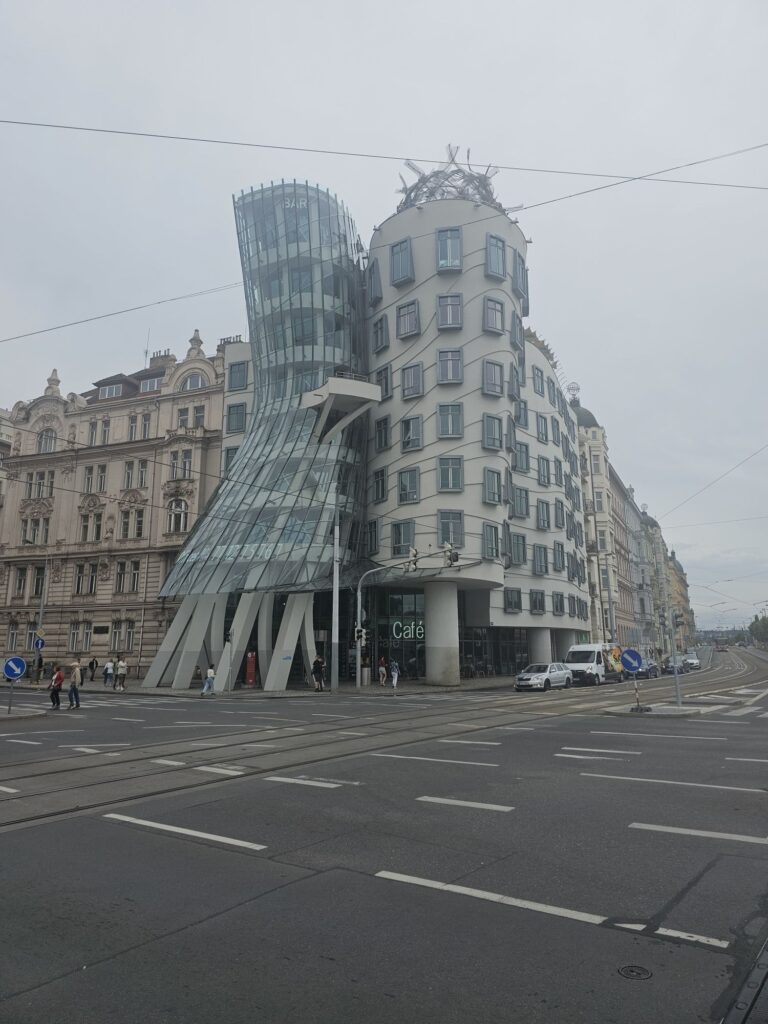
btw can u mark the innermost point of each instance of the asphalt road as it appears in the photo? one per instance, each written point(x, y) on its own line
point(430, 857)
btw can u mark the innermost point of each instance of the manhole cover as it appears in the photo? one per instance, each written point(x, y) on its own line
point(634, 972)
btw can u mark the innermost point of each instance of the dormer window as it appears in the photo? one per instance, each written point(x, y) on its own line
point(111, 391)
point(192, 382)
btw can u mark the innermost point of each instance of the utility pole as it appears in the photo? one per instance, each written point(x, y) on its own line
point(335, 603)
point(611, 615)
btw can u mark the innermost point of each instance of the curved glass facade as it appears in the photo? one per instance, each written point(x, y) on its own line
point(270, 524)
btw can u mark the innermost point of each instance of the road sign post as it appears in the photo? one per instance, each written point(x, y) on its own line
point(14, 668)
point(632, 661)
point(39, 643)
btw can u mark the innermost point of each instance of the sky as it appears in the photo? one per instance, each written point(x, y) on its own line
point(650, 293)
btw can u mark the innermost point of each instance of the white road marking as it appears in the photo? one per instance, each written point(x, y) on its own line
point(705, 940)
point(350, 733)
point(7, 789)
point(474, 743)
point(673, 782)
point(86, 750)
point(599, 750)
point(31, 743)
point(173, 764)
point(129, 719)
point(657, 735)
point(439, 760)
point(703, 833)
point(320, 714)
point(757, 760)
point(514, 728)
point(185, 721)
point(112, 753)
point(745, 711)
point(631, 927)
point(303, 782)
point(590, 757)
point(269, 745)
point(226, 840)
point(463, 803)
point(76, 746)
point(216, 771)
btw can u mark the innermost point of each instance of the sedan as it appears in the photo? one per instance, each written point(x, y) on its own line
point(677, 660)
point(544, 676)
point(692, 661)
point(648, 670)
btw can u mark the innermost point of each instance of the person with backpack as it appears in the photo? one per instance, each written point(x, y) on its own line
point(109, 673)
point(318, 673)
point(75, 679)
point(394, 671)
point(55, 686)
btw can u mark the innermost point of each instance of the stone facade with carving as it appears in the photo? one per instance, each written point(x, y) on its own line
point(99, 492)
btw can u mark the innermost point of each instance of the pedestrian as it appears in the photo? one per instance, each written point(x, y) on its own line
point(109, 673)
point(382, 671)
point(92, 666)
point(75, 678)
point(39, 665)
point(55, 686)
point(318, 673)
point(210, 679)
point(122, 672)
point(394, 671)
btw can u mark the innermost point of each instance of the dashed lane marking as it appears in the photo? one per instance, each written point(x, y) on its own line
point(657, 735)
point(590, 757)
point(7, 789)
point(755, 760)
point(129, 719)
point(474, 743)
point(439, 760)
point(702, 833)
point(674, 782)
point(175, 829)
point(172, 764)
point(217, 771)
point(303, 782)
point(30, 743)
point(463, 803)
point(600, 750)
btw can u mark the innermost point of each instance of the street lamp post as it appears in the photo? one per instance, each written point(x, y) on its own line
point(41, 610)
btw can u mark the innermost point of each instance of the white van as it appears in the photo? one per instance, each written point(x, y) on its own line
point(594, 663)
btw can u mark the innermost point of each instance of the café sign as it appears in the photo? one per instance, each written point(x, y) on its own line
point(407, 630)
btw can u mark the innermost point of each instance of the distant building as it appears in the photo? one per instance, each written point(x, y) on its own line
point(680, 602)
point(103, 488)
point(239, 397)
point(6, 440)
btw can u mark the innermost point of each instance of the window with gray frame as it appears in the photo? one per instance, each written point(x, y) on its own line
point(538, 605)
point(540, 561)
point(493, 378)
point(551, 392)
point(492, 432)
point(495, 257)
point(450, 366)
point(542, 514)
point(411, 433)
point(558, 556)
point(517, 551)
point(449, 311)
point(380, 487)
point(558, 472)
point(491, 486)
point(401, 262)
point(448, 249)
point(510, 434)
point(519, 276)
point(521, 413)
point(538, 380)
point(517, 336)
point(383, 378)
point(236, 418)
point(450, 473)
point(542, 428)
point(408, 486)
point(381, 434)
point(450, 527)
point(493, 315)
point(555, 430)
point(571, 605)
point(229, 457)
point(490, 540)
point(408, 319)
point(374, 283)
point(523, 456)
point(513, 599)
point(520, 502)
point(513, 382)
point(403, 537)
point(543, 471)
point(412, 381)
point(558, 604)
point(380, 334)
point(238, 376)
point(372, 536)
point(450, 420)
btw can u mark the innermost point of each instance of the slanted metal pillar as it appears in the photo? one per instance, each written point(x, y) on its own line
point(239, 635)
point(285, 647)
point(162, 663)
point(264, 635)
point(195, 650)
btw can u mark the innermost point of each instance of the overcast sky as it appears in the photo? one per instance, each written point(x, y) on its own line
point(651, 294)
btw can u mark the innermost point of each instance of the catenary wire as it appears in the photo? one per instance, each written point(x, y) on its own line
point(713, 482)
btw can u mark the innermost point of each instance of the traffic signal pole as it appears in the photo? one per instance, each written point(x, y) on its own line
point(359, 624)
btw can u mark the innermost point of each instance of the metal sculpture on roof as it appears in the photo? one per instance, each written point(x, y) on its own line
point(451, 180)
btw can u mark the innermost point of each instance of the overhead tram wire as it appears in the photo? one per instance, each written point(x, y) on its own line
point(355, 154)
point(713, 482)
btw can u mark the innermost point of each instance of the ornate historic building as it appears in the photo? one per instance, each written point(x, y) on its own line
point(102, 489)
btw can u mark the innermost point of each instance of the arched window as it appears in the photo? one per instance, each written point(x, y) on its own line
point(178, 516)
point(192, 382)
point(46, 441)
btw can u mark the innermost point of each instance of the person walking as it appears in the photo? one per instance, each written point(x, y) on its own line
point(122, 672)
point(394, 671)
point(210, 679)
point(75, 678)
point(109, 673)
point(92, 666)
point(55, 686)
point(318, 673)
point(382, 671)
point(39, 666)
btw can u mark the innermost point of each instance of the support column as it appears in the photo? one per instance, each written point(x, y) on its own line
point(162, 663)
point(285, 647)
point(239, 634)
point(441, 633)
point(216, 641)
point(539, 644)
point(308, 638)
point(194, 651)
point(264, 636)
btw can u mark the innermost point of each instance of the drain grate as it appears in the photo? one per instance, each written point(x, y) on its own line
point(635, 973)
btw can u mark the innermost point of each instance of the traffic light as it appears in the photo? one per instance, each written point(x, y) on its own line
point(450, 555)
point(363, 637)
point(359, 633)
point(678, 619)
point(413, 560)
point(663, 619)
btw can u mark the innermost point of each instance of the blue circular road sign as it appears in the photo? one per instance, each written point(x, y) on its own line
point(39, 643)
point(14, 668)
point(631, 660)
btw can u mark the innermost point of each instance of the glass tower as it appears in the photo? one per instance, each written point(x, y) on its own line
point(269, 526)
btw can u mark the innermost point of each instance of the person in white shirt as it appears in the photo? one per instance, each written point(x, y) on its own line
point(109, 673)
point(210, 679)
point(122, 672)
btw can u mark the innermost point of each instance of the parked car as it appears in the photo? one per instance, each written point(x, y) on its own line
point(649, 669)
point(543, 676)
point(676, 660)
point(692, 661)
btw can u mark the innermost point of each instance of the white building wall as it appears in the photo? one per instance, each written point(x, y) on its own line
point(238, 391)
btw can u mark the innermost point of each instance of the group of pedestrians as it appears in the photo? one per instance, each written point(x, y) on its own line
point(394, 672)
point(114, 673)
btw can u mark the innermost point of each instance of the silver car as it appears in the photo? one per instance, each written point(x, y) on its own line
point(544, 676)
